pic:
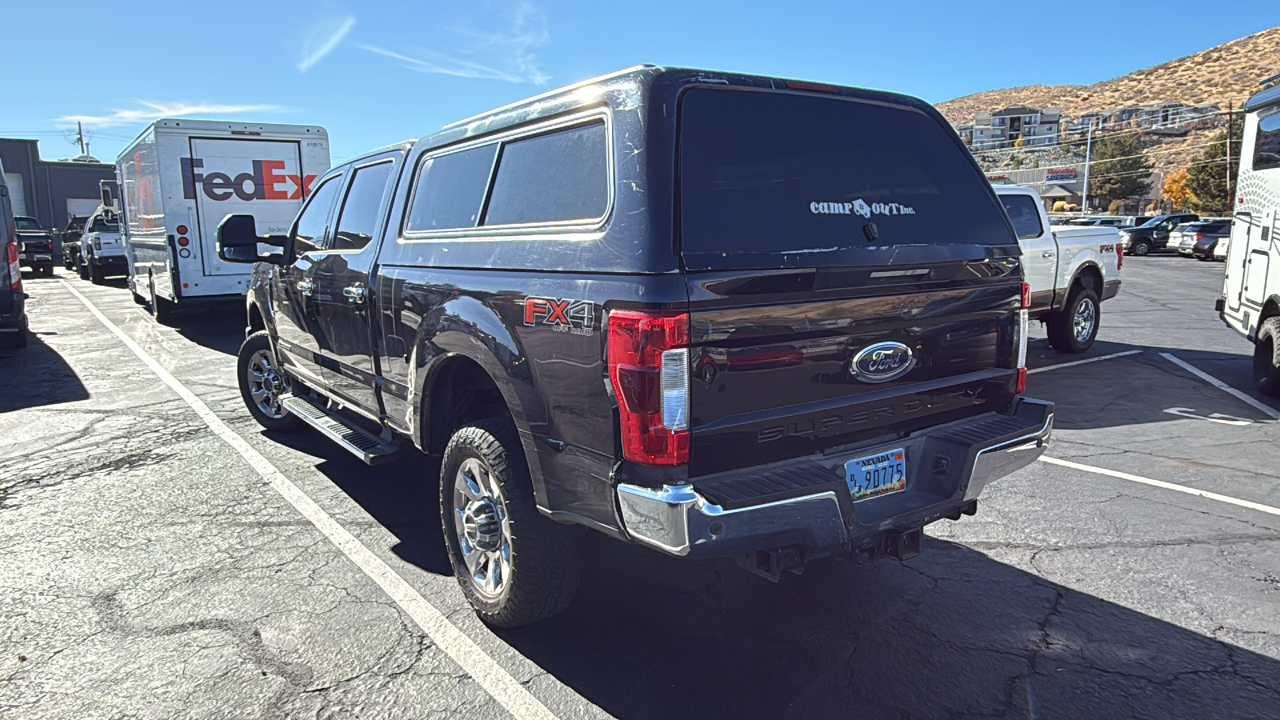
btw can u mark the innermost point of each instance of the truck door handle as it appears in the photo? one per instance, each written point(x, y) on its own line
point(354, 293)
point(306, 287)
point(1047, 254)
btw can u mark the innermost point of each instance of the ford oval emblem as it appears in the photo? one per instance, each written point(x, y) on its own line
point(882, 362)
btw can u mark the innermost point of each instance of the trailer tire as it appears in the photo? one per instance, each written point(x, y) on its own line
point(538, 561)
point(1074, 328)
point(1266, 360)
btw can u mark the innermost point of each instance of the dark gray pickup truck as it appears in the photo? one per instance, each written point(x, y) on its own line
point(714, 314)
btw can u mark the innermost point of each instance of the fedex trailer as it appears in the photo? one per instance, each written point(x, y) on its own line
point(177, 182)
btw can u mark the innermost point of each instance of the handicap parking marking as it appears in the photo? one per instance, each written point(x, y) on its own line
point(1238, 394)
point(1212, 417)
point(1083, 362)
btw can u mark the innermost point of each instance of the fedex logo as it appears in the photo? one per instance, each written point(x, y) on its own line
point(264, 183)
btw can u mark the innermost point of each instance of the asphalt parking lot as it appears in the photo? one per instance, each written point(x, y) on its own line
point(148, 570)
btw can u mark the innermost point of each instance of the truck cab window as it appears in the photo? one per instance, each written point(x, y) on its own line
point(308, 232)
point(358, 219)
point(1024, 215)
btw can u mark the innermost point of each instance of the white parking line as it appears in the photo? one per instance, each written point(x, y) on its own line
point(497, 682)
point(1242, 396)
point(1162, 484)
point(1084, 362)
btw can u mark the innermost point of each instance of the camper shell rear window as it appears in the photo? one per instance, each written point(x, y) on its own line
point(769, 178)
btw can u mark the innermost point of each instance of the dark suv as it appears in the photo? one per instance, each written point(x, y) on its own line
point(718, 315)
point(1153, 234)
point(13, 303)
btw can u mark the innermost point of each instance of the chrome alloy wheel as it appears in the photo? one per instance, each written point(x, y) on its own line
point(267, 385)
point(1083, 321)
point(483, 528)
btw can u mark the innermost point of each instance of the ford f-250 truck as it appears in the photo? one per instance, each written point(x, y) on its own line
point(101, 247)
point(1071, 270)
point(714, 314)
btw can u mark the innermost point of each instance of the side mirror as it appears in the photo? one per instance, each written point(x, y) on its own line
point(238, 242)
point(107, 200)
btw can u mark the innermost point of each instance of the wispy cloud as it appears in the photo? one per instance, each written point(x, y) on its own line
point(154, 110)
point(323, 38)
point(505, 53)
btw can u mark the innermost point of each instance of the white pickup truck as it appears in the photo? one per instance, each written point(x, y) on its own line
point(1071, 269)
point(101, 247)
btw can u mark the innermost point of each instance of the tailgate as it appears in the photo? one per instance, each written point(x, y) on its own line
point(851, 275)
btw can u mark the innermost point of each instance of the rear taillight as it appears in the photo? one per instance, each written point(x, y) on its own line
point(1199, 237)
point(97, 243)
point(15, 272)
point(1023, 320)
point(1119, 257)
point(649, 370)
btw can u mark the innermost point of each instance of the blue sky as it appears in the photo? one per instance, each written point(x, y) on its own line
point(377, 72)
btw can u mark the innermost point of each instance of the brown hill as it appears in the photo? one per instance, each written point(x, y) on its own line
point(1228, 72)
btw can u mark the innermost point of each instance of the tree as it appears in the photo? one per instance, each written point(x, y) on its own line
point(1175, 190)
point(1120, 171)
point(1207, 178)
point(1115, 207)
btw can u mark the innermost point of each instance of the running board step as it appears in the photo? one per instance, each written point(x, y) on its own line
point(357, 441)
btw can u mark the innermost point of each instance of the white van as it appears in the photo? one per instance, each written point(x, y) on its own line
point(180, 178)
point(1251, 293)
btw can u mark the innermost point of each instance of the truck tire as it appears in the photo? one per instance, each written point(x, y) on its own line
point(263, 383)
point(84, 267)
point(97, 274)
point(1074, 328)
point(1142, 247)
point(515, 566)
point(1266, 361)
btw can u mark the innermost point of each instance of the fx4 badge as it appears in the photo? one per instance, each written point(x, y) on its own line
point(572, 316)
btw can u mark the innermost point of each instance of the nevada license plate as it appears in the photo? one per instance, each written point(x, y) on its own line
point(878, 474)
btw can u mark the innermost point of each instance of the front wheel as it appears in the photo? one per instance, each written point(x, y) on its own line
point(263, 384)
point(1266, 364)
point(1074, 328)
point(1142, 247)
point(515, 566)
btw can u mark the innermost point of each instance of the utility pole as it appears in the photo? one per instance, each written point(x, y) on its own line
point(1230, 195)
point(1088, 151)
point(80, 136)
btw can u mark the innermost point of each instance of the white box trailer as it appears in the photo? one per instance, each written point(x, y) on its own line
point(180, 178)
point(1250, 300)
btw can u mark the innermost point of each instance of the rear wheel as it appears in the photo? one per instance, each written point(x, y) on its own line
point(97, 274)
point(84, 267)
point(263, 384)
point(515, 566)
point(1266, 364)
point(1074, 328)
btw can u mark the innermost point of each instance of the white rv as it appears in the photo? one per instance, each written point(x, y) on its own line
point(1251, 294)
point(180, 178)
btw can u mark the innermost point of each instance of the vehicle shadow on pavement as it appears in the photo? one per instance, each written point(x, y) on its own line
point(1138, 389)
point(35, 376)
point(951, 633)
point(401, 496)
point(217, 328)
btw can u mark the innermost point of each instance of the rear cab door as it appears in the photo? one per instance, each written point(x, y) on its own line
point(852, 277)
point(1040, 251)
point(343, 285)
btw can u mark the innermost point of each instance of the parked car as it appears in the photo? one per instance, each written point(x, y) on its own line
point(35, 245)
point(101, 247)
point(1070, 269)
point(71, 241)
point(1153, 235)
point(518, 295)
point(1185, 237)
point(13, 301)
